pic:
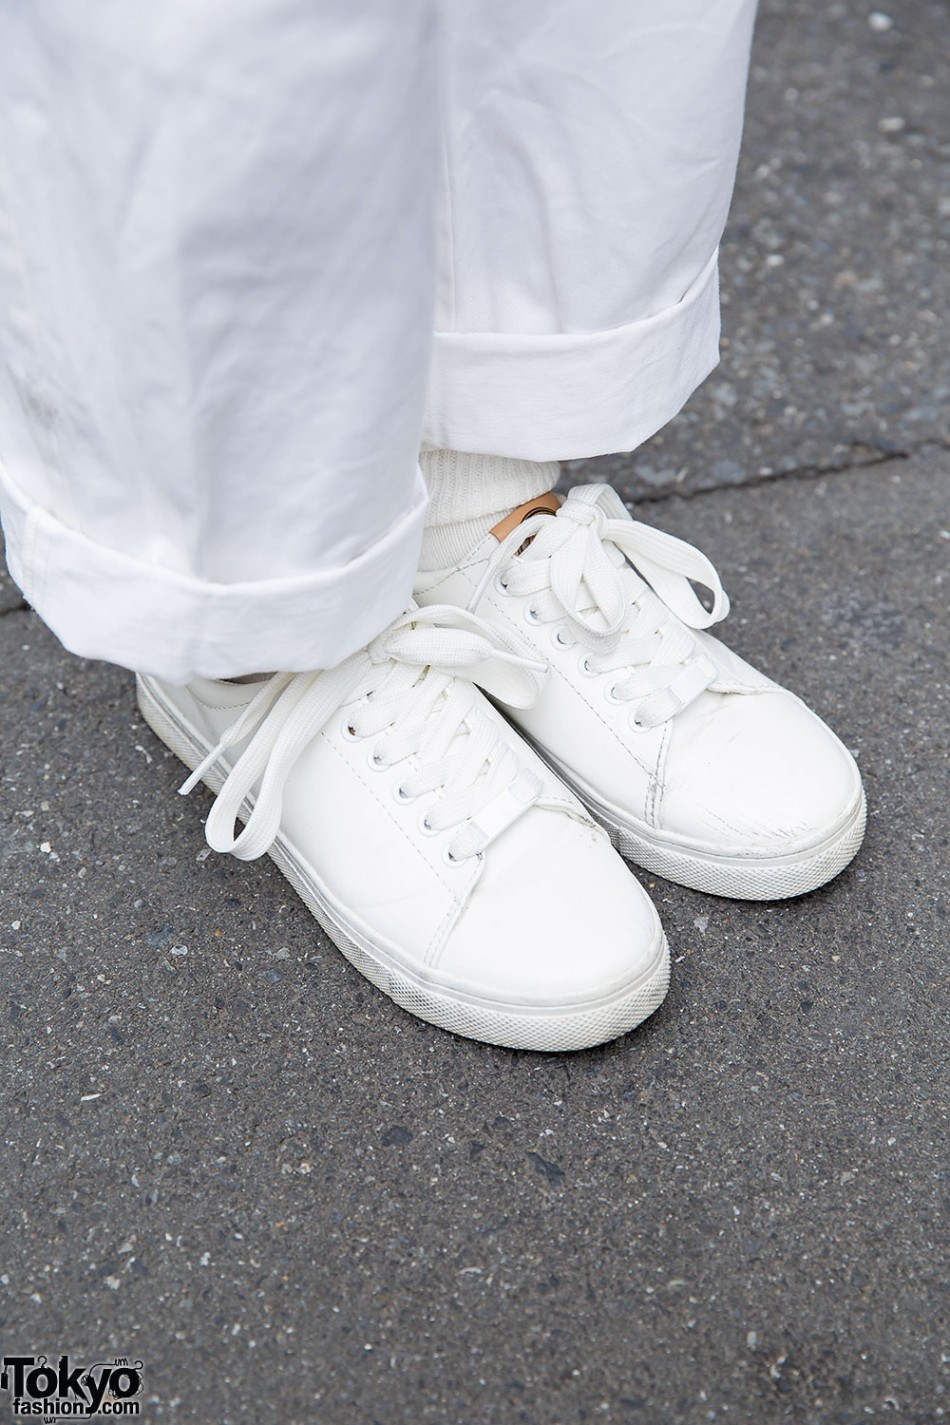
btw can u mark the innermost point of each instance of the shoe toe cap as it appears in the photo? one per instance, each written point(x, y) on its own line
point(556, 918)
point(756, 774)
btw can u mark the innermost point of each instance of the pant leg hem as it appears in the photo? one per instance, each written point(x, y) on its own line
point(565, 397)
point(104, 604)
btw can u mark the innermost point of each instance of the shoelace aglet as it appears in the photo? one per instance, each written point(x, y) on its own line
point(189, 784)
point(236, 731)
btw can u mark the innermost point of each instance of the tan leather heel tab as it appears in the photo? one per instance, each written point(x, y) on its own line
point(548, 504)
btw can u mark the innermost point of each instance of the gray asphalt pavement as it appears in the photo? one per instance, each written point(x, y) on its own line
point(227, 1156)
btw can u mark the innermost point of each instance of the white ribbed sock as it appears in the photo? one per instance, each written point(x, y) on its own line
point(468, 494)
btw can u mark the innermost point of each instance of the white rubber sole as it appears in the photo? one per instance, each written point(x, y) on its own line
point(547, 1028)
point(754, 878)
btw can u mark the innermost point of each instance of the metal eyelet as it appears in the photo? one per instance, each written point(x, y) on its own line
point(586, 669)
point(500, 586)
point(612, 695)
point(559, 641)
point(636, 725)
point(426, 827)
point(349, 733)
point(401, 796)
point(451, 860)
point(531, 614)
point(376, 762)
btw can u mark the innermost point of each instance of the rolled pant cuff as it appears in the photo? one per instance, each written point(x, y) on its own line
point(571, 395)
point(104, 604)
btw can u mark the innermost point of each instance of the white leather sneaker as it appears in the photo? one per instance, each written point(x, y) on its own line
point(701, 768)
point(436, 850)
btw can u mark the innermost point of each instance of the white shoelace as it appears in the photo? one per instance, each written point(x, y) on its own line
point(404, 691)
point(634, 622)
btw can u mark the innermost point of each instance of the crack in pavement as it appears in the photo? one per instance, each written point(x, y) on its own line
point(799, 472)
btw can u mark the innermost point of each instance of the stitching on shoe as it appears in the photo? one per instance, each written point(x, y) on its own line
point(657, 780)
point(217, 707)
point(388, 810)
point(436, 946)
point(629, 751)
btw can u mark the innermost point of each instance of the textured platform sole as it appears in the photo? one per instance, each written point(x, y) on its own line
point(548, 1029)
point(754, 878)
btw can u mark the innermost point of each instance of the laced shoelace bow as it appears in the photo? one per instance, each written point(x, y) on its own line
point(576, 569)
point(405, 689)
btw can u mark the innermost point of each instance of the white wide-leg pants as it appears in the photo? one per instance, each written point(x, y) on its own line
point(253, 251)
